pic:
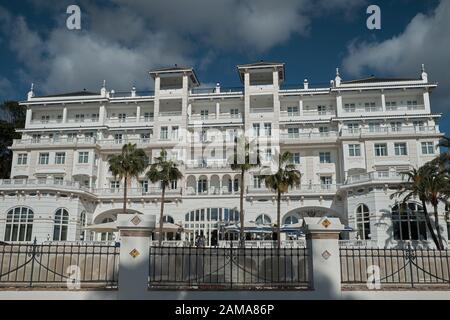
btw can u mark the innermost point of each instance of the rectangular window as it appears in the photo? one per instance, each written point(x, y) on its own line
point(164, 134)
point(412, 105)
point(122, 117)
point(148, 116)
point(354, 150)
point(292, 111)
point(22, 158)
point(293, 133)
point(381, 149)
point(83, 157)
point(79, 118)
point(36, 138)
point(58, 180)
point(145, 137)
point(325, 157)
point(353, 128)
point(60, 158)
point(43, 158)
point(374, 127)
point(45, 119)
point(257, 182)
point(173, 184)
point(144, 186)
point(370, 107)
point(114, 185)
point(349, 107)
point(296, 158)
point(419, 126)
point(322, 110)
point(326, 182)
point(324, 131)
point(204, 114)
point(427, 147)
point(396, 126)
point(95, 117)
point(268, 155)
point(118, 138)
point(268, 129)
point(256, 129)
point(175, 133)
point(400, 149)
point(391, 105)
point(234, 113)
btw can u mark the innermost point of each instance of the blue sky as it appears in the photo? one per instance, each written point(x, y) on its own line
point(121, 40)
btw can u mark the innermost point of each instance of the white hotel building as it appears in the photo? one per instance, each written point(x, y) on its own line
point(349, 139)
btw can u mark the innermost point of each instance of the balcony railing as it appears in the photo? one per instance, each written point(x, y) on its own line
point(213, 164)
point(132, 192)
point(43, 183)
point(376, 175)
point(299, 136)
point(307, 188)
point(389, 130)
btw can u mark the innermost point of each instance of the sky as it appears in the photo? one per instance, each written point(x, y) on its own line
point(120, 41)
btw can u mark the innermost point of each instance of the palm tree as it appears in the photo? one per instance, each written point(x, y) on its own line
point(286, 176)
point(436, 188)
point(126, 165)
point(163, 171)
point(424, 184)
point(243, 163)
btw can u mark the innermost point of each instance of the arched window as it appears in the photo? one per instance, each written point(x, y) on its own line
point(19, 224)
point(291, 220)
point(82, 225)
point(168, 219)
point(60, 225)
point(263, 219)
point(409, 222)
point(363, 222)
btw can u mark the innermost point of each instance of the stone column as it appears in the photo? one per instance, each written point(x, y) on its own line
point(322, 235)
point(134, 234)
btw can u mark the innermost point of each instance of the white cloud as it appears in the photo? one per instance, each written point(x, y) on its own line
point(121, 40)
point(425, 40)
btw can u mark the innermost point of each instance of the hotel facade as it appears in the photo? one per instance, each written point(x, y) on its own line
point(349, 139)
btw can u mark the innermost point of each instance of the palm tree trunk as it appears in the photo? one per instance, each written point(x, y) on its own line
point(125, 194)
point(429, 226)
point(279, 220)
point(161, 214)
point(437, 227)
point(241, 211)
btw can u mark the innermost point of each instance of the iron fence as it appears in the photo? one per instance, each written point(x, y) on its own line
point(58, 265)
point(228, 268)
point(410, 267)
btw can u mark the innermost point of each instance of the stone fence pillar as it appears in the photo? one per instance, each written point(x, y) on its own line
point(134, 234)
point(322, 235)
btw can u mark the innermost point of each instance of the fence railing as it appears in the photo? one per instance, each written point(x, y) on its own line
point(397, 267)
point(228, 268)
point(58, 265)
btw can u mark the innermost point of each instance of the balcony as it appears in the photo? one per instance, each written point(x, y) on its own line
point(376, 176)
point(42, 184)
point(136, 192)
point(207, 164)
point(306, 115)
point(309, 137)
point(49, 142)
point(211, 118)
point(302, 189)
point(384, 131)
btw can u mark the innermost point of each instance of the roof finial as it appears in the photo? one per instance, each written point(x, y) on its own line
point(423, 67)
point(32, 87)
point(104, 84)
point(337, 72)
